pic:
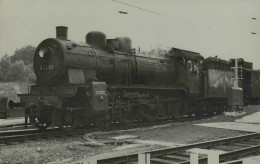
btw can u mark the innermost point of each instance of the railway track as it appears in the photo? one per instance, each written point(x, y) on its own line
point(15, 127)
point(232, 148)
point(13, 136)
point(17, 133)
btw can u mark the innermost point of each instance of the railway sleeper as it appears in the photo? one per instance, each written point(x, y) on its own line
point(176, 157)
point(243, 145)
point(248, 143)
point(225, 148)
point(162, 161)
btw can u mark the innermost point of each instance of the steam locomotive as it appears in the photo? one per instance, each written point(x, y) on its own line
point(106, 80)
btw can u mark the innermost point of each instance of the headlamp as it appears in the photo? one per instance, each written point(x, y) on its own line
point(41, 53)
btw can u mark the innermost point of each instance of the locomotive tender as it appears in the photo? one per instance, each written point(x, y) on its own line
point(104, 79)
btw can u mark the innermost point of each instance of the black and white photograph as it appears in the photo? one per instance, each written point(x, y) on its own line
point(129, 82)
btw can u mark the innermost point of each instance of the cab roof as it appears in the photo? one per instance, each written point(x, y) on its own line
point(188, 55)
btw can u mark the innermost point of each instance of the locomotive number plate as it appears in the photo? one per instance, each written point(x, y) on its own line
point(46, 67)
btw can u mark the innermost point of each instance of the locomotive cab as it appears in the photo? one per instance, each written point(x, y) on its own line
point(191, 63)
point(193, 74)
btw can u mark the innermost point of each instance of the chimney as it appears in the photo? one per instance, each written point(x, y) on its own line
point(61, 32)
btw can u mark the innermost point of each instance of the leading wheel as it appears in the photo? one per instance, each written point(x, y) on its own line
point(39, 119)
point(40, 115)
point(41, 124)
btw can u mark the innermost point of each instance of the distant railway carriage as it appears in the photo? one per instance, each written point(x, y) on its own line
point(104, 79)
point(251, 85)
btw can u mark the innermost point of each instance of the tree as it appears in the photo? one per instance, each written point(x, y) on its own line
point(4, 67)
point(29, 73)
point(24, 54)
point(17, 72)
point(158, 51)
point(18, 68)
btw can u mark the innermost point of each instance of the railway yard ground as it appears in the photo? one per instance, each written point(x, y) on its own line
point(119, 142)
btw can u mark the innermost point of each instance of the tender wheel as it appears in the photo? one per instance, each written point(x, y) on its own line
point(204, 108)
point(219, 108)
point(198, 110)
point(210, 109)
point(225, 107)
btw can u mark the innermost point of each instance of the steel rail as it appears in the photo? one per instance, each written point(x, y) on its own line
point(10, 136)
point(11, 125)
point(15, 132)
point(167, 151)
point(231, 154)
point(18, 136)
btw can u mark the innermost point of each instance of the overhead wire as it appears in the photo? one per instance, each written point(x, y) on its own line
point(138, 7)
point(157, 13)
point(150, 11)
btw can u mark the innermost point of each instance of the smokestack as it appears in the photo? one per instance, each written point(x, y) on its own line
point(61, 32)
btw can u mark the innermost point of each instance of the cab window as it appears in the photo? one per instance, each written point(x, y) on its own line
point(189, 66)
point(195, 67)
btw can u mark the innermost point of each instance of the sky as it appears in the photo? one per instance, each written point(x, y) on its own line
point(220, 28)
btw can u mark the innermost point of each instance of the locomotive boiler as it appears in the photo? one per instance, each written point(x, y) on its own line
point(104, 79)
point(61, 61)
